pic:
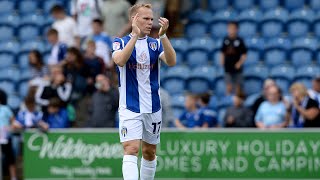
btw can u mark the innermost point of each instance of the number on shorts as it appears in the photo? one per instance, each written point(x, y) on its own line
point(155, 127)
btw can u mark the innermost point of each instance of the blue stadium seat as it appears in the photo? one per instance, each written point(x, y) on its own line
point(6, 7)
point(305, 43)
point(213, 103)
point(200, 15)
point(215, 57)
point(23, 60)
point(14, 102)
point(200, 79)
point(218, 5)
point(253, 58)
point(275, 56)
point(7, 86)
point(255, 43)
point(314, 4)
point(179, 58)
point(6, 32)
point(206, 44)
point(252, 85)
point(10, 46)
point(28, 32)
point(294, 4)
point(23, 89)
point(248, 29)
point(180, 44)
point(221, 115)
point(316, 26)
point(273, 22)
point(25, 75)
point(278, 43)
point(34, 19)
point(218, 29)
point(219, 86)
point(10, 19)
point(225, 102)
point(30, 45)
point(6, 60)
point(28, 6)
point(301, 56)
point(243, 4)
point(48, 4)
point(251, 99)
point(196, 58)
point(306, 73)
point(225, 15)
point(177, 101)
point(283, 76)
point(250, 15)
point(174, 80)
point(10, 74)
point(269, 4)
point(196, 30)
point(258, 71)
point(299, 23)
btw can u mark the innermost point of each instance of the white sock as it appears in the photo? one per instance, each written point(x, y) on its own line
point(148, 169)
point(130, 167)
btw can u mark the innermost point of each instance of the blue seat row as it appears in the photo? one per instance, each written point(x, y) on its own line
point(202, 79)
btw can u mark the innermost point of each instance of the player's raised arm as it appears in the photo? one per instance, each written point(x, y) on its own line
point(169, 55)
point(121, 57)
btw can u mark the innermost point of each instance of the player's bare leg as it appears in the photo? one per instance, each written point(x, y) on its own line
point(130, 160)
point(148, 161)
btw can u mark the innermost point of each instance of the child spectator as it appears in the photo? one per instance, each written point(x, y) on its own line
point(187, 118)
point(58, 50)
point(57, 116)
point(206, 116)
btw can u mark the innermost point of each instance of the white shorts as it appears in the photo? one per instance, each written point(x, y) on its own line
point(144, 126)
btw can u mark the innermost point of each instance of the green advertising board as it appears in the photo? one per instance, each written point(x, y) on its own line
point(215, 154)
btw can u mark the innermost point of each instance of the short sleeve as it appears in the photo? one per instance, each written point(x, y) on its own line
point(312, 104)
point(9, 113)
point(117, 45)
point(160, 49)
point(258, 117)
point(243, 47)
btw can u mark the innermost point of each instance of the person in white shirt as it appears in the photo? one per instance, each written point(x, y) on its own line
point(65, 25)
point(84, 11)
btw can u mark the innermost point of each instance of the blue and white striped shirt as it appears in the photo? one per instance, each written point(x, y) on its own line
point(139, 79)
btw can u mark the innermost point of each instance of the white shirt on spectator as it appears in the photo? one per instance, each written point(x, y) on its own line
point(67, 29)
point(86, 11)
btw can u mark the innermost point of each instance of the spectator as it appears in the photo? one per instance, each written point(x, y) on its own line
point(187, 118)
point(94, 64)
point(57, 116)
point(58, 87)
point(305, 111)
point(167, 114)
point(38, 68)
point(102, 111)
point(272, 113)
point(116, 9)
point(234, 53)
point(84, 11)
point(238, 115)
point(267, 84)
point(58, 50)
point(314, 93)
point(65, 25)
point(103, 42)
point(206, 116)
point(6, 123)
point(76, 72)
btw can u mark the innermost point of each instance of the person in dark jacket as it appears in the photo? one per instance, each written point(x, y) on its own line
point(104, 104)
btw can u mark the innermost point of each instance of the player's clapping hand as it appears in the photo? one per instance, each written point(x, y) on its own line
point(135, 28)
point(164, 23)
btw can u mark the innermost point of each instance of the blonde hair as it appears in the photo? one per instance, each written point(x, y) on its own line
point(133, 10)
point(300, 88)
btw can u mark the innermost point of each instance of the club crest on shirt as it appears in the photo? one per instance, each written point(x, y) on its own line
point(142, 58)
point(153, 45)
point(124, 131)
point(116, 46)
